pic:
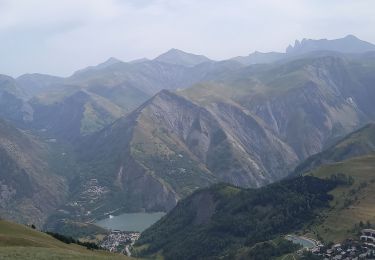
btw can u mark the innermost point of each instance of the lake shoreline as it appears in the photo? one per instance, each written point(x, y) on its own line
point(134, 222)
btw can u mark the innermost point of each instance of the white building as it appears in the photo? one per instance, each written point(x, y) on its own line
point(368, 236)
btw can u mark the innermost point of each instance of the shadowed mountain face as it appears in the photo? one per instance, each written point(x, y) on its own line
point(36, 84)
point(76, 115)
point(12, 101)
point(29, 188)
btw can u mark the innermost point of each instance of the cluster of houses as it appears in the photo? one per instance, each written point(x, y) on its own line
point(364, 248)
point(92, 190)
point(368, 237)
point(120, 241)
point(91, 193)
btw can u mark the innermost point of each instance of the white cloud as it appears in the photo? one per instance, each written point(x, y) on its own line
point(59, 37)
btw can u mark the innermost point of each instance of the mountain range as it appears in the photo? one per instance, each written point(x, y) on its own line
point(349, 44)
point(149, 133)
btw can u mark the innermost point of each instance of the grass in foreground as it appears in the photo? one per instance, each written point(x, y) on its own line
point(21, 242)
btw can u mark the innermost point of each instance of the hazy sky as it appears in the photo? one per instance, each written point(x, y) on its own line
point(61, 36)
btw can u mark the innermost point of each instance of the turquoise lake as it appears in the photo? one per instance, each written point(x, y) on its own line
point(306, 243)
point(131, 221)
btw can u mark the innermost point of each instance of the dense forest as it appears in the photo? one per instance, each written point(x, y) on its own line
point(223, 219)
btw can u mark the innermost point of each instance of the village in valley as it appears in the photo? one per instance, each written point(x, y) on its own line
point(120, 241)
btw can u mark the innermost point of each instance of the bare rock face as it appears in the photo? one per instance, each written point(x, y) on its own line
point(328, 104)
point(252, 155)
point(263, 155)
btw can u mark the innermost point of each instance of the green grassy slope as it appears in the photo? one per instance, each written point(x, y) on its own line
point(353, 157)
point(20, 242)
point(352, 204)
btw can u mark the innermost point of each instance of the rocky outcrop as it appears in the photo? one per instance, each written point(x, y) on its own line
point(348, 44)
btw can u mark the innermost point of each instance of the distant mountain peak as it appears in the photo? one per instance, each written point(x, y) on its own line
point(351, 36)
point(258, 57)
point(175, 50)
point(109, 62)
point(348, 44)
point(179, 57)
